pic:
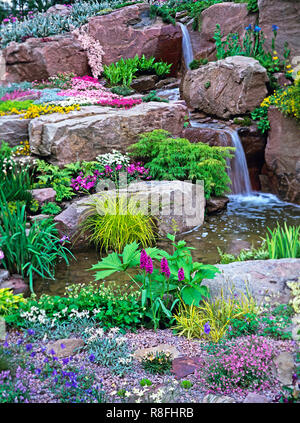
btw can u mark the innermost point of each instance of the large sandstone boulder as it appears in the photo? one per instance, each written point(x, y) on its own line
point(232, 18)
point(94, 130)
point(282, 156)
point(286, 15)
point(130, 31)
point(13, 129)
point(263, 278)
point(40, 58)
point(233, 86)
point(166, 201)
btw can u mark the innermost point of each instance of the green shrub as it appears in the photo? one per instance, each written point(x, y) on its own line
point(195, 64)
point(121, 90)
point(51, 208)
point(177, 158)
point(153, 97)
point(9, 301)
point(113, 221)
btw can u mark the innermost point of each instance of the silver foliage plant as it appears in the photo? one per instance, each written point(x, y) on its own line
point(43, 25)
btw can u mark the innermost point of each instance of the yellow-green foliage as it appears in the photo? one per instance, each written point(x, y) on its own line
point(218, 314)
point(9, 301)
point(113, 221)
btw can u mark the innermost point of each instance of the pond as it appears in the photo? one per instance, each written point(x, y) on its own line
point(243, 224)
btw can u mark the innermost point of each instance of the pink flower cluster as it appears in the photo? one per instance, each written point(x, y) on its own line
point(245, 365)
point(16, 94)
point(85, 183)
point(126, 103)
point(89, 88)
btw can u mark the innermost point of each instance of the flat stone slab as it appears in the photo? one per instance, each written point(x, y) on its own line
point(64, 347)
point(94, 130)
point(264, 278)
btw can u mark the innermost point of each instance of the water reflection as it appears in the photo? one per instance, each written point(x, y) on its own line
point(242, 225)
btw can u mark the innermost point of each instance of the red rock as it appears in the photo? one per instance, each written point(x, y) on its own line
point(130, 31)
point(38, 58)
point(184, 366)
point(232, 17)
point(282, 156)
point(44, 195)
point(16, 283)
point(286, 15)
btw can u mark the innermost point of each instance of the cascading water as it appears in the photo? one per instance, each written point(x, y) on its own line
point(187, 50)
point(237, 167)
point(240, 180)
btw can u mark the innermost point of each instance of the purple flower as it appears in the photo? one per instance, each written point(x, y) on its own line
point(38, 371)
point(181, 274)
point(30, 332)
point(207, 328)
point(62, 346)
point(275, 28)
point(165, 267)
point(29, 347)
point(1, 255)
point(65, 361)
point(149, 265)
point(92, 358)
point(143, 259)
point(64, 238)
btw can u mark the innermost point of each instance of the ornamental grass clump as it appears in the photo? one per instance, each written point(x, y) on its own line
point(112, 221)
point(240, 366)
point(283, 242)
point(29, 252)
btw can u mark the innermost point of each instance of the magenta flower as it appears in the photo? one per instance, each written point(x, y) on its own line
point(149, 265)
point(164, 266)
point(1, 255)
point(181, 274)
point(143, 259)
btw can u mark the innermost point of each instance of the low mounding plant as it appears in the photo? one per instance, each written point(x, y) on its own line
point(113, 221)
point(239, 366)
point(158, 363)
point(29, 252)
point(211, 319)
point(9, 301)
point(177, 158)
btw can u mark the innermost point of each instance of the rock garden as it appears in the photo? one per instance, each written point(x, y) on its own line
point(150, 201)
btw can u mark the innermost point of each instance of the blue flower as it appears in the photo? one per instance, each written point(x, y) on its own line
point(248, 28)
point(92, 358)
point(29, 347)
point(257, 29)
point(275, 28)
point(207, 328)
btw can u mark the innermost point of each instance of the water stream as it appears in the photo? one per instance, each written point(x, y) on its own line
point(187, 50)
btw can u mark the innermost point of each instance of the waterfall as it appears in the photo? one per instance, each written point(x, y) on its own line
point(239, 174)
point(237, 166)
point(186, 46)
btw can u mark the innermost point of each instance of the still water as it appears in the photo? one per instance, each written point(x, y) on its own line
point(243, 224)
